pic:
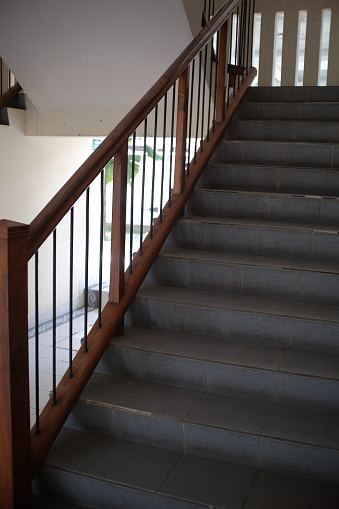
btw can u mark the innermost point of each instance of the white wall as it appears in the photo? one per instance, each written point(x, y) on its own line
point(32, 170)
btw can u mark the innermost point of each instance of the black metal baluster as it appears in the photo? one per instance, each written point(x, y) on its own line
point(163, 157)
point(251, 22)
point(37, 378)
point(54, 401)
point(172, 145)
point(198, 111)
point(236, 50)
point(71, 267)
point(101, 242)
point(203, 102)
point(86, 272)
point(132, 206)
point(216, 81)
point(153, 167)
point(143, 186)
point(190, 118)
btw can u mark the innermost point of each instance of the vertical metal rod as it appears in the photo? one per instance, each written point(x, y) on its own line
point(252, 29)
point(54, 401)
point(198, 111)
point(86, 271)
point(236, 49)
point(143, 186)
point(163, 156)
point(37, 378)
point(71, 267)
point(172, 147)
point(216, 81)
point(203, 102)
point(153, 167)
point(132, 206)
point(190, 118)
point(210, 91)
point(101, 242)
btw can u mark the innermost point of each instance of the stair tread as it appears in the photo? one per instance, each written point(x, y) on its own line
point(316, 428)
point(165, 477)
point(250, 260)
point(279, 359)
point(261, 223)
point(246, 303)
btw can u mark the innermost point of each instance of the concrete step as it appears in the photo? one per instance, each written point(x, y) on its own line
point(237, 430)
point(257, 237)
point(321, 210)
point(97, 471)
point(227, 316)
point(311, 111)
point(262, 372)
point(300, 280)
point(321, 182)
point(284, 130)
point(314, 155)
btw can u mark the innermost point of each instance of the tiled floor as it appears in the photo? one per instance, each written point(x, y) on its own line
point(62, 357)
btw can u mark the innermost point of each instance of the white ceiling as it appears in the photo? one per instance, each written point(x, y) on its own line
point(80, 55)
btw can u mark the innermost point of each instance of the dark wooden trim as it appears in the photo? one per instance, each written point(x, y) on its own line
point(181, 133)
point(221, 78)
point(68, 390)
point(15, 451)
point(116, 289)
point(43, 225)
point(10, 94)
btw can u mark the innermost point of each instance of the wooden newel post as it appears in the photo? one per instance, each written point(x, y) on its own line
point(181, 133)
point(15, 442)
point(117, 279)
point(221, 77)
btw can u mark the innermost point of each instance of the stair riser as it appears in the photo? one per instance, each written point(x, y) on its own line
point(264, 282)
point(292, 94)
point(318, 132)
point(89, 492)
point(308, 245)
point(233, 324)
point(274, 207)
point(228, 380)
point(277, 153)
point(271, 179)
point(221, 444)
point(290, 111)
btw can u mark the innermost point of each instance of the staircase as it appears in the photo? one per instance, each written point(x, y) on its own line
point(224, 390)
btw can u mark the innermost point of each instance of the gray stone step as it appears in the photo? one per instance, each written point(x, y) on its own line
point(236, 317)
point(321, 182)
point(116, 474)
point(301, 280)
point(274, 374)
point(314, 111)
point(317, 155)
point(257, 237)
point(245, 432)
point(292, 94)
point(267, 206)
point(284, 130)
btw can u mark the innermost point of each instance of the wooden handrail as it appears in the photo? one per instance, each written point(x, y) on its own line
point(10, 94)
point(45, 222)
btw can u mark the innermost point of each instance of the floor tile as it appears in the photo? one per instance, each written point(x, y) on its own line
point(230, 413)
point(247, 354)
point(210, 482)
point(278, 491)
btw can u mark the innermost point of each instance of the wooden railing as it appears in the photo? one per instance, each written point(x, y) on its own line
point(203, 108)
